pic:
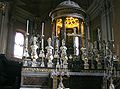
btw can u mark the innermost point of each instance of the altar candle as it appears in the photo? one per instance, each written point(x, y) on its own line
point(27, 25)
point(99, 34)
point(42, 28)
point(42, 45)
point(57, 43)
point(112, 35)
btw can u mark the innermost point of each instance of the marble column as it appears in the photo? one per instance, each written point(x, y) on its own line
point(1, 22)
point(11, 34)
point(54, 33)
point(64, 27)
point(4, 29)
point(0, 15)
point(83, 34)
point(88, 35)
point(80, 40)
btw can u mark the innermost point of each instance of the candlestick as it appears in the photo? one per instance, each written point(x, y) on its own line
point(27, 25)
point(117, 50)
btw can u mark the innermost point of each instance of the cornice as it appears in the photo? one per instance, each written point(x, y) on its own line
point(95, 9)
point(99, 7)
point(21, 15)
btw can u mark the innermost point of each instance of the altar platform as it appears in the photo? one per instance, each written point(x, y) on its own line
point(40, 78)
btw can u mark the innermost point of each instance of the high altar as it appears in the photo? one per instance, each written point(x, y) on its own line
point(70, 60)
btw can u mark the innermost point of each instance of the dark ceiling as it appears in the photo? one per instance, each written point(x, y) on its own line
point(42, 8)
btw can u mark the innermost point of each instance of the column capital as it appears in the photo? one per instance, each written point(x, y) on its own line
point(2, 7)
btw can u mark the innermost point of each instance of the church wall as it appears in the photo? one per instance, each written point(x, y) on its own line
point(95, 24)
point(17, 22)
point(103, 10)
point(116, 24)
point(13, 27)
point(105, 14)
point(48, 29)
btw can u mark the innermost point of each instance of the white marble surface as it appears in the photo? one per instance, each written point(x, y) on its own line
point(37, 88)
point(30, 88)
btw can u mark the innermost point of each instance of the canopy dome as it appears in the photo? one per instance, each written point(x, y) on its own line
point(68, 4)
point(67, 8)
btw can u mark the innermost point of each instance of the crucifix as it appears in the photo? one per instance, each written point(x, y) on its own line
point(75, 41)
